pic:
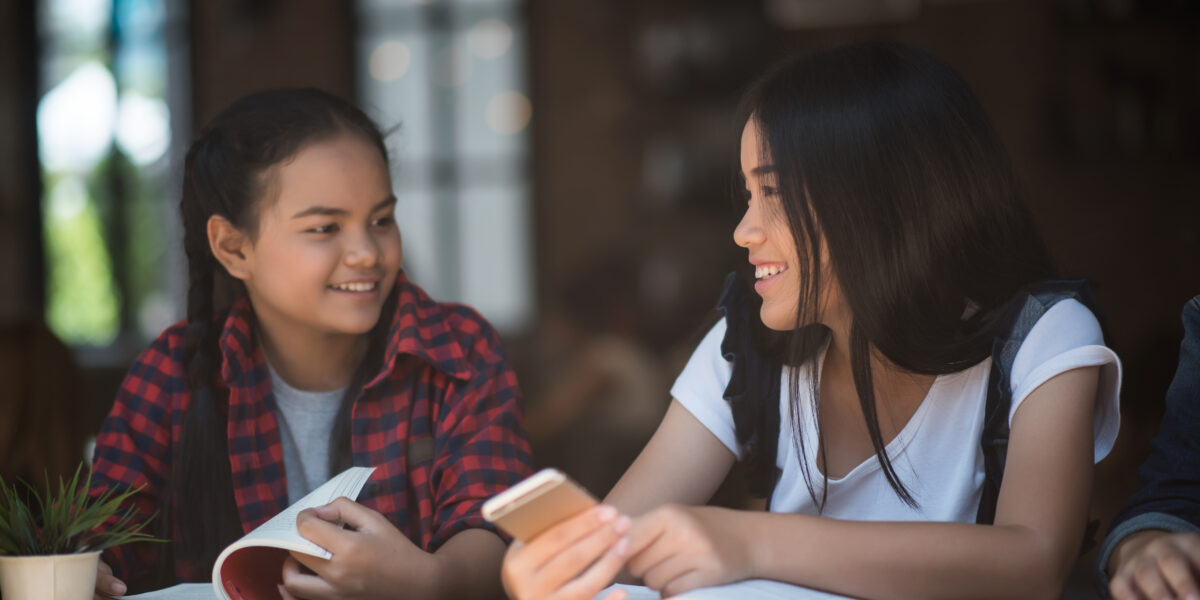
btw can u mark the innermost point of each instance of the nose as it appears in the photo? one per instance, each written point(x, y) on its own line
point(749, 230)
point(363, 252)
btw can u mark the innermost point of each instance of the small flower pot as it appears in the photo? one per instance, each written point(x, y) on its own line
point(54, 577)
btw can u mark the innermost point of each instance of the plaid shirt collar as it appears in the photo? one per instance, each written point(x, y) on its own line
point(417, 329)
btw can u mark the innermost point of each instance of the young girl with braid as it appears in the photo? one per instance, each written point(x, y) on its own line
point(889, 246)
point(326, 357)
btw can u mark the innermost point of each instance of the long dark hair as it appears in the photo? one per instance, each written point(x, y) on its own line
point(884, 150)
point(228, 172)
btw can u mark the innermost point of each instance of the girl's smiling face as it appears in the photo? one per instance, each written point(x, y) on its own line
point(326, 250)
point(765, 233)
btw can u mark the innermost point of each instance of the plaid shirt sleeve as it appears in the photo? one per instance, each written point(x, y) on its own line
point(482, 448)
point(133, 448)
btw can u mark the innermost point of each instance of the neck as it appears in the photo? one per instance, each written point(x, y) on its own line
point(888, 379)
point(312, 361)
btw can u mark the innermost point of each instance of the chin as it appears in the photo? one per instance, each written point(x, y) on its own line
point(776, 322)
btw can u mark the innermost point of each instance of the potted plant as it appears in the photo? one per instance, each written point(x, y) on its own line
point(49, 546)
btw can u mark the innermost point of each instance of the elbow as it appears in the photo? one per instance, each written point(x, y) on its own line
point(1044, 569)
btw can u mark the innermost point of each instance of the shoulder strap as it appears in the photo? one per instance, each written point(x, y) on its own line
point(753, 388)
point(1022, 314)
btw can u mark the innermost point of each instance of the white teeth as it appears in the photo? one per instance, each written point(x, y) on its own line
point(766, 271)
point(355, 287)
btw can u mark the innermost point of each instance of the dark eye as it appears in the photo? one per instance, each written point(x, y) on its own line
point(769, 191)
point(330, 228)
point(384, 221)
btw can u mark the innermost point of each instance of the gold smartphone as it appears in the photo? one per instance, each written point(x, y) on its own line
point(537, 503)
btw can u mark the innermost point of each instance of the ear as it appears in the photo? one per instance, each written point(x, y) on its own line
point(230, 245)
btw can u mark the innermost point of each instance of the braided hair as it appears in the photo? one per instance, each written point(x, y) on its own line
point(227, 173)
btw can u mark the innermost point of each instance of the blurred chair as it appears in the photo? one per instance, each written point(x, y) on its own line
point(43, 416)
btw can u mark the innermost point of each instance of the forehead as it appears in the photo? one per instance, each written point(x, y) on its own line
point(752, 150)
point(340, 171)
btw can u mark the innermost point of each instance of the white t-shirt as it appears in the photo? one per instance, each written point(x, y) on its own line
point(937, 454)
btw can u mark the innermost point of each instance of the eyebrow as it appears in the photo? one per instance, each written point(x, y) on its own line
point(759, 171)
point(329, 211)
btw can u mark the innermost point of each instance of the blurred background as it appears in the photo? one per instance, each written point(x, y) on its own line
point(565, 167)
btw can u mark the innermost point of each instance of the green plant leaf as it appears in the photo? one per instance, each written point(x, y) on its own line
point(63, 518)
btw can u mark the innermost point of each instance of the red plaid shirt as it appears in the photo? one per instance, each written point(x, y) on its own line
point(445, 386)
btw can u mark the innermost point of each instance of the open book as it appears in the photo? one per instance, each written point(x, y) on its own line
point(252, 567)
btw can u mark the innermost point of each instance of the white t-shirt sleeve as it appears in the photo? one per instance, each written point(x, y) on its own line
point(1068, 337)
point(700, 388)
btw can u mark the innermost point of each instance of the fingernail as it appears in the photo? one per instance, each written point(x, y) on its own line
point(622, 546)
point(606, 514)
point(282, 590)
point(117, 588)
point(622, 525)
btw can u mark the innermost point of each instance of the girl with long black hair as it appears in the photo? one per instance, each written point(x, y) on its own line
point(888, 241)
point(327, 357)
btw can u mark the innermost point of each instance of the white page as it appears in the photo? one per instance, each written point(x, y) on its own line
point(183, 591)
point(752, 589)
point(280, 531)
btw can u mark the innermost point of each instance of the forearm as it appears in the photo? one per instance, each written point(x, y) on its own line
point(906, 560)
point(467, 566)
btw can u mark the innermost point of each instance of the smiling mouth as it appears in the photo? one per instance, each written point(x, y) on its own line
point(768, 271)
point(364, 286)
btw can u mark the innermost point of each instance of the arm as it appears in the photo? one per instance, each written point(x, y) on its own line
point(132, 448)
point(1140, 552)
point(1028, 552)
point(480, 444)
point(682, 463)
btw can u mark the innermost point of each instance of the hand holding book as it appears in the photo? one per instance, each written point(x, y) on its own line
point(364, 545)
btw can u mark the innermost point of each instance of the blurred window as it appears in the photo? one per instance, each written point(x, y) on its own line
point(449, 78)
point(106, 136)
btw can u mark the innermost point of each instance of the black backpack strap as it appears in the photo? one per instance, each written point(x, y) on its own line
point(753, 388)
point(1022, 314)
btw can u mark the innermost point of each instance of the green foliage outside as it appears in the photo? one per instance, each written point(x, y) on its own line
point(82, 301)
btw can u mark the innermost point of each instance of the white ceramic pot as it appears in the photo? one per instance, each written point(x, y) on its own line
point(56, 577)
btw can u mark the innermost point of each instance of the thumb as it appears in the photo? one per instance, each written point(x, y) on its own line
point(344, 511)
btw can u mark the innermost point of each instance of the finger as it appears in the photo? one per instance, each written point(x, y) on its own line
point(541, 549)
point(1178, 572)
point(316, 564)
point(284, 594)
point(322, 532)
point(600, 575)
point(673, 567)
point(302, 585)
point(648, 548)
point(1121, 588)
point(344, 510)
point(106, 582)
point(1148, 580)
point(617, 594)
point(684, 583)
point(574, 559)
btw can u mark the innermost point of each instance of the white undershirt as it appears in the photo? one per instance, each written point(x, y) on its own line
point(937, 454)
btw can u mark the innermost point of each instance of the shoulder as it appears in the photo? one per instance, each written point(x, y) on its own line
point(449, 332)
point(1067, 327)
point(164, 357)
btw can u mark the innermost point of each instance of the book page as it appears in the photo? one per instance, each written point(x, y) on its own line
point(250, 568)
point(183, 591)
point(280, 531)
point(751, 589)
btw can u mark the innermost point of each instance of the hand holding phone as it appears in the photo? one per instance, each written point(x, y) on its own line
point(537, 503)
